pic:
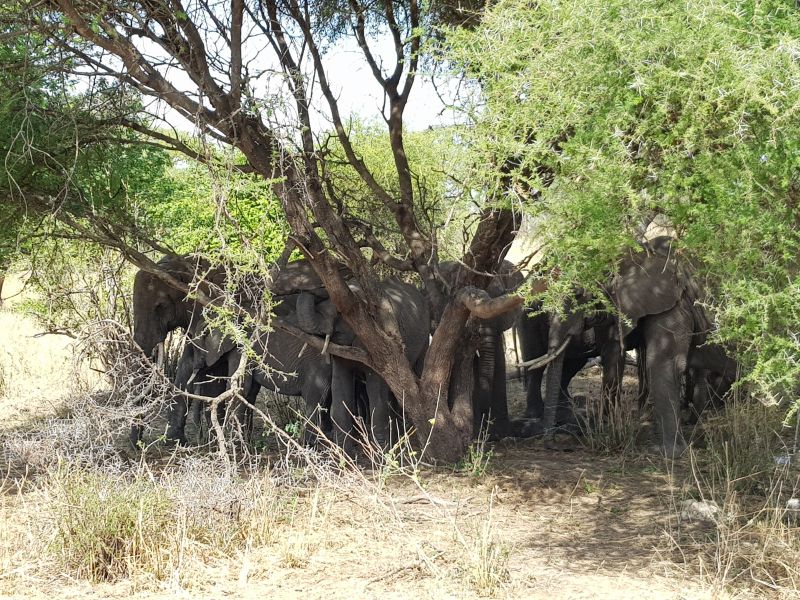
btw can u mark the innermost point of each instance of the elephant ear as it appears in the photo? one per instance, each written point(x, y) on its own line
point(216, 345)
point(648, 283)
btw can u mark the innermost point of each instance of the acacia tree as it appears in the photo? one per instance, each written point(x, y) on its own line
point(619, 111)
point(245, 74)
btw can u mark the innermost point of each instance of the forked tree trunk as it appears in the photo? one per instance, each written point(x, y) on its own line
point(439, 403)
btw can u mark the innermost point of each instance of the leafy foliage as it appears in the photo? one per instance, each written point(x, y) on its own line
point(437, 162)
point(197, 210)
point(614, 111)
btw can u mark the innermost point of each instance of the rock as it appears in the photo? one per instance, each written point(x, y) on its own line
point(783, 460)
point(699, 511)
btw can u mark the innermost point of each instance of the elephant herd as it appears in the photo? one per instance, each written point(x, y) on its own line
point(656, 312)
point(284, 363)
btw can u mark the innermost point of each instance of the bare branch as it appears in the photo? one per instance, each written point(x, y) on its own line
point(482, 306)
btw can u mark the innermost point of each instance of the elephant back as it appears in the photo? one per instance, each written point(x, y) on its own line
point(299, 276)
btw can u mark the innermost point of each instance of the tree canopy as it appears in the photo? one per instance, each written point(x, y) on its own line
point(617, 111)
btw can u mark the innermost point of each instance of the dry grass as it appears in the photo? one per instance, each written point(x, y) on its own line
point(753, 544)
point(33, 370)
point(487, 569)
point(611, 427)
point(81, 517)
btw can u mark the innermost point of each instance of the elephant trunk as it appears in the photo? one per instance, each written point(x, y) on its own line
point(313, 318)
point(484, 380)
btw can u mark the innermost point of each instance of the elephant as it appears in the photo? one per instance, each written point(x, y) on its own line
point(285, 365)
point(533, 331)
point(711, 370)
point(159, 308)
point(410, 310)
point(490, 406)
point(654, 295)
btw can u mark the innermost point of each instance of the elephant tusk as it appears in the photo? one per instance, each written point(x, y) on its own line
point(538, 363)
point(327, 341)
point(191, 379)
point(303, 349)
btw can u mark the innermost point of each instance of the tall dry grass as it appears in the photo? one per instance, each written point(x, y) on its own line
point(746, 474)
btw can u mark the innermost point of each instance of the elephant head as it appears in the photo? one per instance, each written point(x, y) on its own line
point(158, 307)
point(649, 282)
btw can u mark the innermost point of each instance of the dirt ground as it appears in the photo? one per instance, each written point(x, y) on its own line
point(535, 523)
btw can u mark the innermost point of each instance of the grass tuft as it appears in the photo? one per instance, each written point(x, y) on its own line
point(754, 544)
point(108, 528)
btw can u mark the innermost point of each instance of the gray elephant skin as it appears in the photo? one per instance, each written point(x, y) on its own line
point(656, 297)
point(160, 308)
point(490, 401)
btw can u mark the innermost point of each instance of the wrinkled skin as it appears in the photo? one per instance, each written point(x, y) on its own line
point(490, 402)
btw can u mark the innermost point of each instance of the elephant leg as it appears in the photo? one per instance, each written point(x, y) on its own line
point(491, 403)
point(534, 407)
point(210, 386)
point(379, 409)
point(316, 391)
point(641, 370)
point(242, 412)
point(668, 338)
point(498, 405)
point(553, 389)
point(197, 414)
point(700, 394)
point(135, 436)
point(343, 404)
point(612, 357)
point(179, 406)
point(564, 413)
point(572, 367)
